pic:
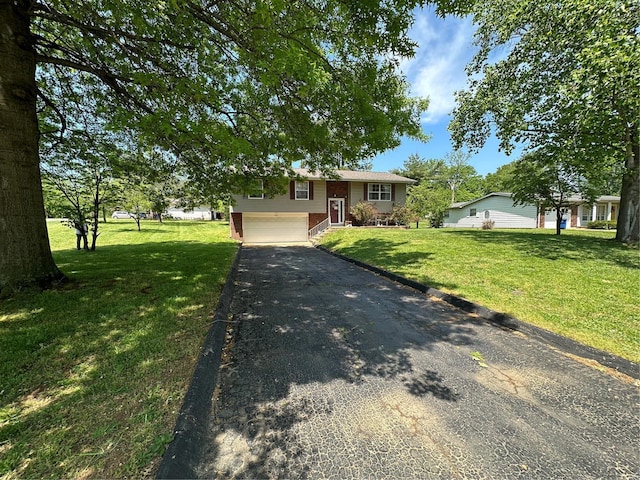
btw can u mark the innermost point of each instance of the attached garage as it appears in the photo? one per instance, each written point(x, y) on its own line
point(275, 227)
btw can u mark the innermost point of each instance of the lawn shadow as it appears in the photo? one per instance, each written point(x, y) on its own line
point(90, 370)
point(306, 325)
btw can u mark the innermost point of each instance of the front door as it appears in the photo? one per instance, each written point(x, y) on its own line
point(336, 211)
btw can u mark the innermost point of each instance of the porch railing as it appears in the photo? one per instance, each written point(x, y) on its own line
point(321, 227)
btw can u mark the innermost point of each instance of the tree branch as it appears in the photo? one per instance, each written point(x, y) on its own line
point(63, 120)
point(110, 79)
point(48, 13)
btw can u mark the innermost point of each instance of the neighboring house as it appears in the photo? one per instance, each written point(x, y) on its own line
point(495, 206)
point(499, 207)
point(579, 212)
point(198, 213)
point(314, 203)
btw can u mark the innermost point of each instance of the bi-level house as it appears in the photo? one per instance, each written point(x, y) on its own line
point(312, 204)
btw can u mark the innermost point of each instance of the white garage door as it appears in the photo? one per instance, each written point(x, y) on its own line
point(274, 227)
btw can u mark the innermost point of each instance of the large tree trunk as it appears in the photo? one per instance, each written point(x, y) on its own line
point(25, 256)
point(629, 215)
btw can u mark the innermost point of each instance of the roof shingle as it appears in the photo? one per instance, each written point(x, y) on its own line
point(355, 176)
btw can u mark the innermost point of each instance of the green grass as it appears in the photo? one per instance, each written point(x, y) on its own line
point(93, 373)
point(581, 284)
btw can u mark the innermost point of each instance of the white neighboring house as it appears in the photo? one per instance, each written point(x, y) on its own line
point(497, 207)
point(198, 213)
point(579, 213)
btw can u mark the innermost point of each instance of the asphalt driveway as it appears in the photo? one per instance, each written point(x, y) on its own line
point(335, 372)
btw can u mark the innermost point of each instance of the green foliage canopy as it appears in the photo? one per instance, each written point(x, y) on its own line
point(549, 183)
point(251, 86)
point(562, 77)
point(440, 182)
point(500, 180)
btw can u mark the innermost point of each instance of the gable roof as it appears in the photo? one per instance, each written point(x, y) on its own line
point(571, 200)
point(494, 194)
point(355, 176)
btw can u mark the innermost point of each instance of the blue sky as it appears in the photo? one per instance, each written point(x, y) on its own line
point(437, 71)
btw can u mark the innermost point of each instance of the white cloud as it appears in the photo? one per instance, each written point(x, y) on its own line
point(437, 70)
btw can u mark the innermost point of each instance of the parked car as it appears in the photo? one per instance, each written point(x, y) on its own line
point(120, 214)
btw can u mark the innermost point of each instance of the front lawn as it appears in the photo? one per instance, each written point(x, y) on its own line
point(95, 371)
point(582, 284)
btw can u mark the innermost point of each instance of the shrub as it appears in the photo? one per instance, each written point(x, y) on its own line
point(602, 224)
point(363, 213)
point(488, 224)
point(436, 220)
point(401, 215)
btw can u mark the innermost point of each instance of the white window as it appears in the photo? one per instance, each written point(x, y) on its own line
point(379, 191)
point(587, 212)
point(472, 212)
point(601, 212)
point(257, 191)
point(302, 190)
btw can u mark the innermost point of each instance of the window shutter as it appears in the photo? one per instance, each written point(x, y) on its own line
point(393, 192)
point(365, 195)
point(310, 190)
point(292, 190)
